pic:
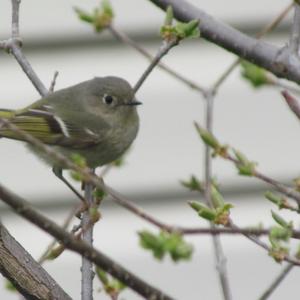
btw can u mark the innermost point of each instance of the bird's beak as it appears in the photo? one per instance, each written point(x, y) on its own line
point(134, 102)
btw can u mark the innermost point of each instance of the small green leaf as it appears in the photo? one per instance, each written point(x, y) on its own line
point(111, 285)
point(245, 167)
point(279, 220)
point(153, 243)
point(187, 30)
point(223, 214)
point(203, 211)
point(101, 17)
point(254, 74)
point(9, 286)
point(169, 16)
point(99, 193)
point(273, 198)
point(84, 16)
point(216, 197)
point(207, 137)
point(78, 160)
point(193, 184)
point(102, 276)
point(166, 243)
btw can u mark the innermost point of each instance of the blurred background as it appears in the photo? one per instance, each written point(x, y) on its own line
point(167, 149)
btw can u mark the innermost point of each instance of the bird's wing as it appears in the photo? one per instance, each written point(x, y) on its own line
point(43, 124)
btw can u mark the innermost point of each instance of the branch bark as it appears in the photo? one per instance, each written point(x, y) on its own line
point(28, 277)
point(275, 59)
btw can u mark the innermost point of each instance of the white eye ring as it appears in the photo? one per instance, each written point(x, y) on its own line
point(108, 99)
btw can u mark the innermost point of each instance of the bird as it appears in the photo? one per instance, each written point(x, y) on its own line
point(96, 119)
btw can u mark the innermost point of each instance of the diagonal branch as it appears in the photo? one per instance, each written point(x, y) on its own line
point(24, 209)
point(27, 276)
point(265, 55)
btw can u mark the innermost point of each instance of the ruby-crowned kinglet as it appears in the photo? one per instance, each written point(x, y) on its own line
point(96, 119)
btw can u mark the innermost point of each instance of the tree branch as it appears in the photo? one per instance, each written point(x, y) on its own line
point(286, 270)
point(27, 276)
point(265, 55)
point(24, 209)
point(295, 32)
point(218, 249)
point(87, 273)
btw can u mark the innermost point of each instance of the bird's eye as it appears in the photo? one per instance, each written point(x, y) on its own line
point(107, 99)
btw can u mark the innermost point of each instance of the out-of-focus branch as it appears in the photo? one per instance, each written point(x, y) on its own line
point(295, 31)
point(286, 270)
point(24, 209)
point(292, 102)
point(27, 276)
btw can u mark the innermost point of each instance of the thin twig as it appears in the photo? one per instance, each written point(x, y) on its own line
point(163, 50)
point(218, 249)
point(87, 273)
point(121, 36)
point(65, 225)
point(295, 31)
point(53, 82)
point(292, 102)
point(280, 187)
point(15, 32)
point(276, 282)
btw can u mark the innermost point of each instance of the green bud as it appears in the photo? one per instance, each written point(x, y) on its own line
point(216, 197)
point(55, 252)
point(254, 74)
point(153, 243)
point(223, 214)
point(245, 167)
point(9, 286)
point(78, 160)
point(99, 193)
point(84, 16)
point(102, 276)
point(207, 137)
point(279, 254)
point(169, 16)
point(188, 30)
point(279, 220)
point(166, 243)
point(203, 211)
point(107, 8)
point(119, 162)
point(193, 184)
point(273, 198)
